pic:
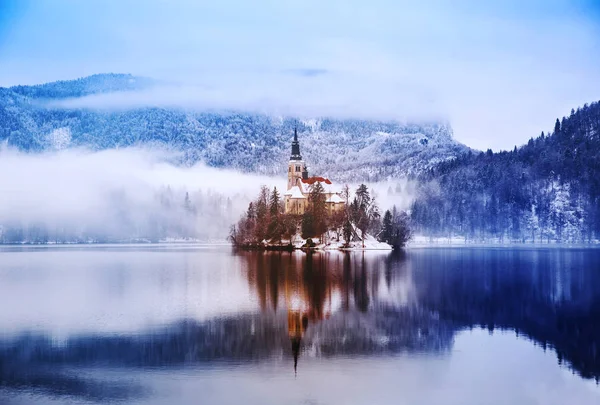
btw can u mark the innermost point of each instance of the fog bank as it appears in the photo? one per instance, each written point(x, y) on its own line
point(117, 194)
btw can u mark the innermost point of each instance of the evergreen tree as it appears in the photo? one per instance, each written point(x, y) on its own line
point(348, 231)
point(187, 204)
point(374, 217)
point(386, 231)
point(359, 210)
point(363, 197)
point(274, 203)
point(248, 227)
point(308, 225)
point(318, 208)
point(400, 230)
point(262, 214)
point(251, 212)
point(275, 229)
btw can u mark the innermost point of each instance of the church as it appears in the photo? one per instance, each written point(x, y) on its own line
point(299, 184)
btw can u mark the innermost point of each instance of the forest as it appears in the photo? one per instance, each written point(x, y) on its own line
point(544, 192)
point(48, 117)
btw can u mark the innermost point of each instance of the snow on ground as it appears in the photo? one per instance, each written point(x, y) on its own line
point(331, 243)
point(370, 243)
point(422, 240)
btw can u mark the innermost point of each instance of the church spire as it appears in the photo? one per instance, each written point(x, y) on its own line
point(295, 146)
point(296, 352)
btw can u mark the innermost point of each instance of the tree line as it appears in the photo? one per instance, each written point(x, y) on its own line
point(266, 223)
point(164, 214)
point(545, 191)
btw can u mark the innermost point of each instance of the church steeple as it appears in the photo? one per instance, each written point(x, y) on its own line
point(296, 167)
point(295, 147)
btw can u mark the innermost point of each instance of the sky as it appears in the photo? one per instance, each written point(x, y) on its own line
point(499, 72)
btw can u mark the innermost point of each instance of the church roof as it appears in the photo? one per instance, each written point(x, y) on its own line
point(295, 192)
point(334, 199)
point(314, 179)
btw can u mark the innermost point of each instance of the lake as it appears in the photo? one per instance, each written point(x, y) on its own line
point(194, 324)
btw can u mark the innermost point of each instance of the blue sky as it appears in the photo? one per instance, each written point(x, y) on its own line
point(499, 72)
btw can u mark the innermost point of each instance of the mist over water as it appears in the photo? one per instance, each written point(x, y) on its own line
point(117, 194)
point(132, 194)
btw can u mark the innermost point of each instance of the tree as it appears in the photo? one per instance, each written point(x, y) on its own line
point(374, 216)
point(251, 212)
point(557, 126)
point(275, 230)
point(234, 235)
point(348, 231)
point(318, 208)
point(187, 203)
point(261, 214)
point(387, 227)
point(362, 196)
point(359, 210)
point(289, 226)
point(336, 222)
point(274, 203)
point(308, 225)
point(345, 195)
point(400, 230)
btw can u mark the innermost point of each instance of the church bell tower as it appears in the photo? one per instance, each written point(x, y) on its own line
point(296, 166)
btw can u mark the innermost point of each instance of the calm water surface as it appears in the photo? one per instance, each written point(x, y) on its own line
point(207, 325)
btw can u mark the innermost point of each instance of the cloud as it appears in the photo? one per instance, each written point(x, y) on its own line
point(304, 96)
point(499, 71)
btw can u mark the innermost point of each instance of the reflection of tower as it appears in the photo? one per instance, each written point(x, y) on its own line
point(297, 324)
point(312, 287)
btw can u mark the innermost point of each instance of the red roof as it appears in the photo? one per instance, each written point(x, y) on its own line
point(314, 179)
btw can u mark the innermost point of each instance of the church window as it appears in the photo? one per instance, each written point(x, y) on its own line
point(297, 168)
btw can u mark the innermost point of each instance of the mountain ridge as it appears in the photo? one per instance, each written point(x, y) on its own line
point(546, 190)
point(346, 149)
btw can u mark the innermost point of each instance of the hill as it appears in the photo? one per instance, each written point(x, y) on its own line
point(345, 150)
point(547, 190)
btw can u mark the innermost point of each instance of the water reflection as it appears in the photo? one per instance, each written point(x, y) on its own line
point(345, 303)
point(550, 296)
point(293, 305)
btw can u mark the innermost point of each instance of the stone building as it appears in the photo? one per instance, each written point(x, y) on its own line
point(299, 184)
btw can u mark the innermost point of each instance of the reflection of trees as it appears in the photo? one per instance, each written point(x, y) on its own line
point(344, 302)
point(320, 282)
point(63, 384)
point(335, 303)
point(338, 303)
point(550, 296)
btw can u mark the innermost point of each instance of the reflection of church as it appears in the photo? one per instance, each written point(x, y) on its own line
point(297, 324)
point(306, 289)
point(302, 286)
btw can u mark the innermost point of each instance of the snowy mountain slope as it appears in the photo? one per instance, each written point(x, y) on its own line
point(346, 150)
point(95, 84)
point(545, 191)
